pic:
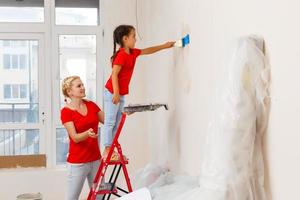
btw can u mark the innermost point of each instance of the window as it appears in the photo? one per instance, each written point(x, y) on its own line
point(15, 61)
point(19, 142)
point(7, 92)
point(23, 91)
point(77, 55)
point(20, 125)
point(19, 101)
point(16, 53)
point(22, 11)
point(27, 65)
point(22, 61)
point(6, 61)
point(15, 91)
point(62, 145)
point(80, 12)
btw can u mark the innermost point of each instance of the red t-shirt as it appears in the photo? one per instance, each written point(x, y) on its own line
point(87, 150)
point(127, 62)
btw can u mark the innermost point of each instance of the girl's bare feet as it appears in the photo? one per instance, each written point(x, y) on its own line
point(114, 157)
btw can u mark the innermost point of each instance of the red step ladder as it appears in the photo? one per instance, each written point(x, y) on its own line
point(104, 164)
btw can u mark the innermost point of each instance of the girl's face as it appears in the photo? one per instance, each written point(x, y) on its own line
point(77, 89)
point(130, 40)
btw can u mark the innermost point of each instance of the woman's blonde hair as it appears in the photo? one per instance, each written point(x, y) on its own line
point(67, 84)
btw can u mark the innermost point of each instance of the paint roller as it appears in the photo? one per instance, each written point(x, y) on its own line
point(183, 42)
point(144, 107)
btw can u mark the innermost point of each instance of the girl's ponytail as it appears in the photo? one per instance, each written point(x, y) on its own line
point(114, 52)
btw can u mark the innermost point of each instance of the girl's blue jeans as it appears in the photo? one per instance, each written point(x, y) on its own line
point(112, 117)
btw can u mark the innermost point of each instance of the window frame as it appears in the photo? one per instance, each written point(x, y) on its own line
point(49, 33)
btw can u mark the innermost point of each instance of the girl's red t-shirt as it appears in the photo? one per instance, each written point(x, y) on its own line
point(127, 62)
point(87, 150)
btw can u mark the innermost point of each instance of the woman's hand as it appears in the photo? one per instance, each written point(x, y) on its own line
point(169, 45)
point(116, 98)
point(91, 133)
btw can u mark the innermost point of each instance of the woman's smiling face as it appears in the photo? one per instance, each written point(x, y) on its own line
point(77, 89)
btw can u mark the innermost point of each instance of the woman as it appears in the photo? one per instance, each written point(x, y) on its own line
point(80, 117)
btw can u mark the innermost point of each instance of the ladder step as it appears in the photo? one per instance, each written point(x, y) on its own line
point(107, 188)
point(118, 162)
point(114, 191)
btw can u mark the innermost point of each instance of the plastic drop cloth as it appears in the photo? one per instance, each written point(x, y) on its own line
point(162, 183)
point(233, 166)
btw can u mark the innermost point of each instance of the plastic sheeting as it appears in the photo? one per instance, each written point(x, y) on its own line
point(162, 183)
point(233, 166)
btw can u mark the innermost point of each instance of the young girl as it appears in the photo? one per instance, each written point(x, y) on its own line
point(116, 88)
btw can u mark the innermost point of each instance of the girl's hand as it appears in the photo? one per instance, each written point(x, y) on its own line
point(116, 98)
point(169, 44)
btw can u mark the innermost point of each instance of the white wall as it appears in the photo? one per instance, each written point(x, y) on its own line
point(181, 77)
point(187, 79)
point(49, 182)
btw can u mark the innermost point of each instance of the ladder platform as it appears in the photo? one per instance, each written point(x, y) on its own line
point(132, 108)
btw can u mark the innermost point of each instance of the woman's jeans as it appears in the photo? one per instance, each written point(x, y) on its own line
point(77, 173)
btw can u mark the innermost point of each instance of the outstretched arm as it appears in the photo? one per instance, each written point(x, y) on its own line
point(151, 50)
